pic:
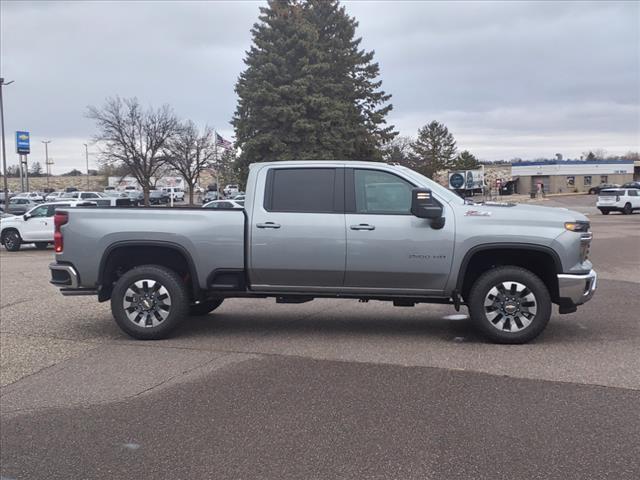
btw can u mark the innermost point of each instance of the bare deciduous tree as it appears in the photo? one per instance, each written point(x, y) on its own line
point(190, 152)
point(134, 137)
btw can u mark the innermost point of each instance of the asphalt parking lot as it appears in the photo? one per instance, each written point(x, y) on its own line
point(326, 389)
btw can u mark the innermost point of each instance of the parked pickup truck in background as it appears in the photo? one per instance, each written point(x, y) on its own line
point(34, 226)
point(359, 230)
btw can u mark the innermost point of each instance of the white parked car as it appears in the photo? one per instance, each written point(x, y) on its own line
point(113, 199)
point(223, 204)
point(618, 199)
point(33, 196)
point(53, 196)
point(175, 192)
point(35, 226)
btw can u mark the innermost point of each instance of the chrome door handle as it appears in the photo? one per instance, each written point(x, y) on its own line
point(268, 225)
point(363, 226)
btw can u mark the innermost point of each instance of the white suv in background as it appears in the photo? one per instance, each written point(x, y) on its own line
point(231, 191)
point(176, 192)
point(624, 200)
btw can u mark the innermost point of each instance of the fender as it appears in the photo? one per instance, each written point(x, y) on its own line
point(155, 243)
point(511, 246)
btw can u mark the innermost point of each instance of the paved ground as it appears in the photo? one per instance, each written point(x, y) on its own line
point(327, 389)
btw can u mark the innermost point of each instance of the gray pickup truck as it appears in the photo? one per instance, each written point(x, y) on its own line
point(360, 230)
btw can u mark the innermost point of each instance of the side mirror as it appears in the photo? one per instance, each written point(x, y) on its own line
point(423, 205)
point(26, 217)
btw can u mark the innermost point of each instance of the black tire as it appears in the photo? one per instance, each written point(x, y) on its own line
point(592, 191)
point(604, 211)
point(628, 209)
point(41, 245)
point(11, 240)
point(203, 308)
point(175, 312)
point(497, 331)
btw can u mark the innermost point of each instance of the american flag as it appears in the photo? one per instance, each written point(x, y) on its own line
point(222, 142)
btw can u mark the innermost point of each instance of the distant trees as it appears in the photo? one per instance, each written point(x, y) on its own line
point(189, 152)
point(13, 170)
point(399, 150)
point(309, 91)
point(72, 173)
point(227, 169)
point(134, 137)
point(35, 170)
point(595, 154)
point(433, 150)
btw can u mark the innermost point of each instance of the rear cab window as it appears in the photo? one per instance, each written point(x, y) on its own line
point(305, 190)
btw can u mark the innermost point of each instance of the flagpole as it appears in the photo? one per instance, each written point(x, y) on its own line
point(215, 155)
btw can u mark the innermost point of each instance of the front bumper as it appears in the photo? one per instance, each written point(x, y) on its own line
point(576, 289)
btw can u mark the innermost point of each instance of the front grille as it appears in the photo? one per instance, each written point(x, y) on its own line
point(585, 245)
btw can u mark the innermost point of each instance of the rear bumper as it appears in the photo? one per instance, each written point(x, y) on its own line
point(575, 290)
point(65, 277)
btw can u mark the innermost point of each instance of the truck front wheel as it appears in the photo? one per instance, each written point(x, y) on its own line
point(510, 305)
point(11, 240)
point(148, 302)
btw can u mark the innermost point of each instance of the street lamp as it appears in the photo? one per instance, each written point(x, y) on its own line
point(46, 158)
point(4, 143)
point(86, 154)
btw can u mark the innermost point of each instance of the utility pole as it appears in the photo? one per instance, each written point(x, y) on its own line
point(4, 144)
point(86, 154)
point(46, 158)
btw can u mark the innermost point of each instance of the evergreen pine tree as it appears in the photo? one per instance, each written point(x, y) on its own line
point(465, 161)
point(435, 149)
point(308, 91)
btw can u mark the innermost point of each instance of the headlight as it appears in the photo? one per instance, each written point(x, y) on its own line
point(579, 226)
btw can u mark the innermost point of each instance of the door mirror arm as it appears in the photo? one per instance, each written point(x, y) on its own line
point(26, 217)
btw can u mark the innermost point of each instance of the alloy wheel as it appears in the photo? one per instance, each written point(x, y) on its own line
point(147, 303)
point(11, 240)
point(510, 306)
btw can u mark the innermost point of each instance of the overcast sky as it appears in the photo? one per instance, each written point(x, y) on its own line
point(509, 79)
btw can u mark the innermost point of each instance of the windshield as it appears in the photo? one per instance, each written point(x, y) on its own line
point(611, 193)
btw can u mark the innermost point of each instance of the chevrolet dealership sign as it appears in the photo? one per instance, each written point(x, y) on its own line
point(22, 143)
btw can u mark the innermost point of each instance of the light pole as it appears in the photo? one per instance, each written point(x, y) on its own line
point(4, 144)
point(86, 155)
point(46, 158)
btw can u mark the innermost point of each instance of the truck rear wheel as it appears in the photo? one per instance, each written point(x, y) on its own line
point(149, 302)
point(510, 305)
point(205, 307)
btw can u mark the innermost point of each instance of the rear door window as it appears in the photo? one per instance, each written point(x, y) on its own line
point(308, 190)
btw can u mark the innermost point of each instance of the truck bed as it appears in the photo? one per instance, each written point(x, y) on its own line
point(212, 239)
